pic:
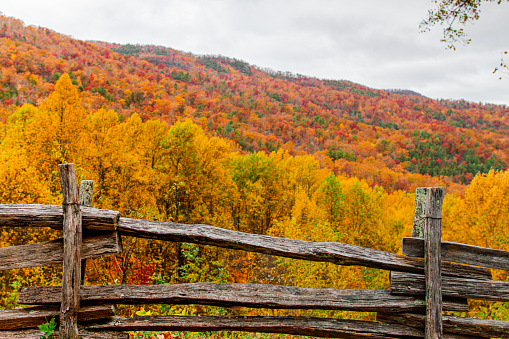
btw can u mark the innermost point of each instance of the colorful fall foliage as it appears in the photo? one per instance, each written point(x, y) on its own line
point(349, 127)
point(177, 137)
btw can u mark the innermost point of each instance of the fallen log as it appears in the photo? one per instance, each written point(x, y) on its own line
point(31, 317)
point(413, 284)
point(338, 253)
point(52, 216)
point(458, 325)
point(51, 252)
point(461, 253)
point(246, 295)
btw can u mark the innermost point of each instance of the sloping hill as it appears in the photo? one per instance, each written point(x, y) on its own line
point(374, 134)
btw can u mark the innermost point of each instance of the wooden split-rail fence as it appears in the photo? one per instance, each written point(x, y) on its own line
point(430, 277)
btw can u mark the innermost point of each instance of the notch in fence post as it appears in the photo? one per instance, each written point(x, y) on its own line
point(71, 268)
point(428, 225)
point(85, 199)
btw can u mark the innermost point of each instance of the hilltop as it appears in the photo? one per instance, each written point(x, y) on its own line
point(392, 138)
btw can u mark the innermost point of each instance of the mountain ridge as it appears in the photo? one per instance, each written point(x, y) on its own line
point(351, 128)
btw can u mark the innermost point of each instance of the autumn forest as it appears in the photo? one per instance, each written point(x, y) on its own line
point(204, 139)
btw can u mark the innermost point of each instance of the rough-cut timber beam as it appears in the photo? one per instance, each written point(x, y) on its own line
point(51, 252)
point(85, 199)
point(461, 253)
point(338, 253)
point(71, 265)
point(432, 259)
point(316, 327)
point(322, 327)
point(247, 295)
point(84, 334)
point(459, 325)
point(413, 284)
point(31, 317)
point(52, 216)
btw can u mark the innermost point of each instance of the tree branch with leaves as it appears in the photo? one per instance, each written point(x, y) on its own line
point(453, 15)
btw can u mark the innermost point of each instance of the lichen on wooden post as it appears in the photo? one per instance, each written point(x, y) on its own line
point(71, 268)
point(86, 192)
point(420, 203)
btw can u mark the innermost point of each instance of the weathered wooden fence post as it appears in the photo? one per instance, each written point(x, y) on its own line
point(85, 199)
point(71, 269)
point(428, 225)
point(433, 262)
point(420, 206)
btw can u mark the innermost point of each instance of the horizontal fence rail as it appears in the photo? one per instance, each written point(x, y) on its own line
point(307, 326)
point(52, 216)
point(338, 253)
point(334, 252)
point(52, 252)
point(84, 334)
point(413, 284)
point(34, 316)
point(246, 295)
point(459, 325)
point(456, 272)
point(461, 253)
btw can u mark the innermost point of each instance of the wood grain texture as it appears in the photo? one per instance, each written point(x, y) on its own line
point(461, 253)
point(86, 192)
point(338, 253)
point(413, 284)
point(320, 327)
point(51, 252)
point(52, 216)
point(71, 266)
point(432, 260)
point(247, 295)
point(419, 214)
point(459, 325)
point(31, 317)
point(85, 199)
point(307, 326)
point(84, 334)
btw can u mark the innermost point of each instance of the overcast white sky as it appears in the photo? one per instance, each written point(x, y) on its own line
point(372, 42)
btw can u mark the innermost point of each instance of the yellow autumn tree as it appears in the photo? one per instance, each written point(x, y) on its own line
point(128, 185)
point(55, 134)
point(19, 179)
point(5, 112)
point(192, 175)
point(482, 217)
point(101, 153)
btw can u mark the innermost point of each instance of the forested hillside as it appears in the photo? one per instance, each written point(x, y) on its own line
point(350, 128)
point(179, 137)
